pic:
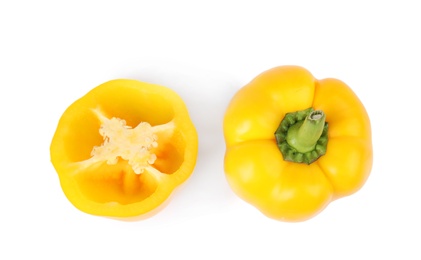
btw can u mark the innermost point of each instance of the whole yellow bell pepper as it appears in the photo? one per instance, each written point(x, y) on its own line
point(122, 149)
point(294, 143)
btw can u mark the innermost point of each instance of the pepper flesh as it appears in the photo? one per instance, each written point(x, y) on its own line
point(122, 149)
point(255, 167)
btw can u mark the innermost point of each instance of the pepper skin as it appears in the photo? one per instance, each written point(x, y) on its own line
point(122, 149)
point(289, 187)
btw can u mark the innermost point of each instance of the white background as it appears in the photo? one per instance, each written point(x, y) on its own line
point(52, 53)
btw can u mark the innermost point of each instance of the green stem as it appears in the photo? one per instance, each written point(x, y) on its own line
point(303, 136)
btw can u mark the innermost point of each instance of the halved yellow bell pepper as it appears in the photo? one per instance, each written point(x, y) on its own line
point(122, 149)
point(294, 143)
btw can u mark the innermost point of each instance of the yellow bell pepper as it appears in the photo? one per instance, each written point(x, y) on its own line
point(294, 143)
point(122, 149)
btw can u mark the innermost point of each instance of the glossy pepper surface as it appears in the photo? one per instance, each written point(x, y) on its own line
point(122, 149)
point(295, 143)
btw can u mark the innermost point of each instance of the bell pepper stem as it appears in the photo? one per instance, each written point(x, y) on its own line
point(303, 136)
